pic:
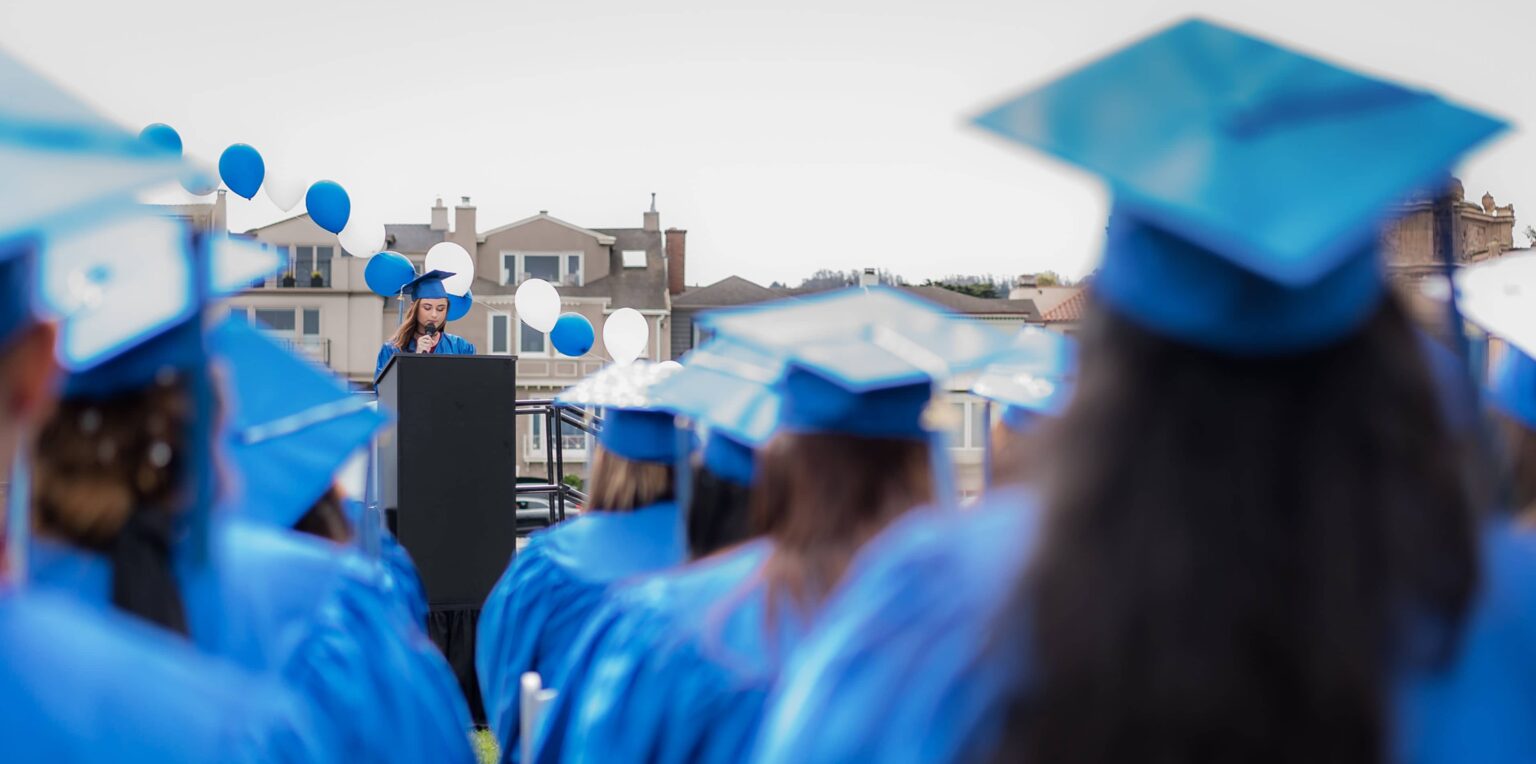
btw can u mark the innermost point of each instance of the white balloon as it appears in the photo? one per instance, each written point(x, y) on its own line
point(538, 304)
point(450, 257)
point(285, 191)
point(625, 334)
point(362, 237)
point(669, 366)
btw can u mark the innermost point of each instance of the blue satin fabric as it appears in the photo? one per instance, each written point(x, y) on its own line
point(81, 685)
point(401, 580)
point(314, 614)
point(543, 601)
point(907, 663)
point(899, 668)
point(448, 344)
point(675, 668)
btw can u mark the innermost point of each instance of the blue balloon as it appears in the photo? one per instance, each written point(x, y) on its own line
point(572, 334)
point(162, 136)
point(458, 307)
point(328, 205)
point(387, 272)
point(242, 169)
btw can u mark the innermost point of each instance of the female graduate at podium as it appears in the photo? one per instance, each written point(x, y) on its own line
point(425, 321)
point(631, 527)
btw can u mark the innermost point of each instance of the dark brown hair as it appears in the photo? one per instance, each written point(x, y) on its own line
point(820, 496)
point(1235, 551)
point(407, 331)
point(327, 518)
point(108, 476)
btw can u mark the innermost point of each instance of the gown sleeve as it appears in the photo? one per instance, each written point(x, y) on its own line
point(324, 622)
point(386, 352)
point(402, 579)
point(901, 666)
point(530, 622)
point(79, 685)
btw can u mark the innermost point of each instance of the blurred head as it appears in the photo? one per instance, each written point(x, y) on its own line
point(327, 518)
point(1014, 450)
point(1233, 547)
point(820, 496)
point(717, 512)
point(622, 485)
point(28, 385)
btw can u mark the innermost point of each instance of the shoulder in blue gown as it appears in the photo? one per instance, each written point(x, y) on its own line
point(79, 685)
point(315, 614)
point(898, 667)
point(902, 666)
point(533, 616)
point(675, 668)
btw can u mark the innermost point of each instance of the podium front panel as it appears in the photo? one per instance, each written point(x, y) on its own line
point(448, 471)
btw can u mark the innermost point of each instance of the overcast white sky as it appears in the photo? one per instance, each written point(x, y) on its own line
point(785, 135)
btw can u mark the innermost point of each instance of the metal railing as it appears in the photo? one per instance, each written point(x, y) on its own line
point(315, 348)
point(555, 418)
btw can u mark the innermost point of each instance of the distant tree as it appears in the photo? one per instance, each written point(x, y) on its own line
point(974, 287)
point(1530, 236)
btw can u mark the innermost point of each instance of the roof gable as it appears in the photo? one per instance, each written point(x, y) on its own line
point(602, 238)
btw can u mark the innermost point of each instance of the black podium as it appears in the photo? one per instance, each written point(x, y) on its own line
point(448, 480)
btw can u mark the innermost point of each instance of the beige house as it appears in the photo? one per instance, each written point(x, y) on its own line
point(323, 305)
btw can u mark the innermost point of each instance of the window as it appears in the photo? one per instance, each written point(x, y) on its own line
point(311, 322)
point(634, 258)
point(558, 268)
point(278, 320)
point(967, 423)
point(309, 260)
point(500, 334)
point(573, 439)
point(531, 342)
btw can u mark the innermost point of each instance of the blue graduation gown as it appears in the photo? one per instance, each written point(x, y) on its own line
point(449, 344)
point(533, 616)
point(675, 668)
point(81, 685)
point(905, 664)
point(401, 579)
point(277, 601)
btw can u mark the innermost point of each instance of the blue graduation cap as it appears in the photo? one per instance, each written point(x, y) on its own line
point(729, 458)
point(877, 404)
point(1249, 180)
point(64, 164)
point(1033, 379)
point(428, 286)
point(905, 338)
point(290, 426)
point(127, 303)
point(728, 389)
point(1512, 386)
point(635, 425)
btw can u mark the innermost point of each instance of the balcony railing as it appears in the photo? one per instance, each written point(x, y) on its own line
point(317, 349)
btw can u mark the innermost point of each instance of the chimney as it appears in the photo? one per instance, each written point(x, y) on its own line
point(677, 260)
point(218, 221)
point(869, 278)
point(439, 216)
point(652, 217)
point(464, 233)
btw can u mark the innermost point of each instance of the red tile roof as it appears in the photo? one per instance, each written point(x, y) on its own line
point(1070, 309)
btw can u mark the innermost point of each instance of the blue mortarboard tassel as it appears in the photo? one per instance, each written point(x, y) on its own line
point(428, 286)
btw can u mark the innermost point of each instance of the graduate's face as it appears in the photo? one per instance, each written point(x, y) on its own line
point(432, 311)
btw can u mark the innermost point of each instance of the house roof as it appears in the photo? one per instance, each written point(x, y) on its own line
point(411, 238)
point(602, 237)
point(290, 218)
point(1070, 309)
point(970, 305)
point(729, 291)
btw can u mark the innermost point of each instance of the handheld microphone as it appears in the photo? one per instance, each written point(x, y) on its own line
point(433, 329)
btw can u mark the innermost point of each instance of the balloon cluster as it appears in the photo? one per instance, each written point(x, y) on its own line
point(241, 167)
point(245, 172)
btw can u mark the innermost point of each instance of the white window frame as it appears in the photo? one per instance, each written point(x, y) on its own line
point(535, 451)
point(518, 335)
point(624, 258)
point(490, 332)
point(514, 275)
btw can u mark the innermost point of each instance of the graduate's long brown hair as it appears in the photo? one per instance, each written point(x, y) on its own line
point(412, 323)
point(820, 496)
point(1238, 555)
